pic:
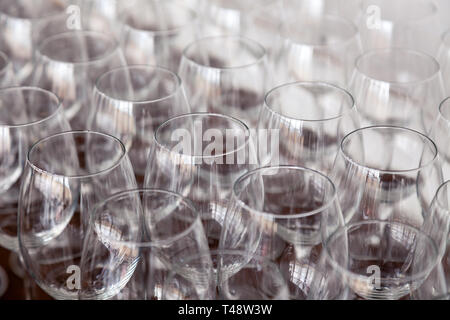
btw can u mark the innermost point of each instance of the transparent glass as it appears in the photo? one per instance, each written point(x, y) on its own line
point(397, 87)
point(131, 102)
point(317, 48)
point(378, 260)
point(200, 156)
point(35, 114)
point(254, 278)
point(309, 120)
point(444, 60)
point(66, 175)
point(283, 213)
point(216, 73)
point(394, 179)
point(135, 240)
point(402, 23)
point(440, 132)
point(23, 25)
point(156, 32)
point(69, 63)
point(7, 78)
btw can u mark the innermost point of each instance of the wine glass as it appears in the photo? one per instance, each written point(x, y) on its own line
point(309, 120)
point(216, 73)
point(131, 102)
point(440, 132)
point(136, 238)
point(317, 48)
point(7, 78)
point(395, 177)
point(444, 60)
point(397, 87)
point(156, 32)
point(69, 63)
point(27, 114)
point(250, 277)
point(408, 24)
point(65, 176)
point(283, 213)
point(21, 28)
point(349, 9)
point(378, 260)
point(199, 156)
point(437, 226)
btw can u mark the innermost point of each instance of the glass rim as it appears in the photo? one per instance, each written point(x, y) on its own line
point(345, 229)
point(434, 9)
point(323, 84)
point(383, 127)
point(58, 105)
point(152, 68)
point(329, 18)
point(261, 57)
point(332, 199)
point(444, 186)
point(33, 19)
point(441, 106)
point(73, 133)
point(230, 119)
point(190, 23)
point(405, 51)
point(148, 244)
point(84, 33)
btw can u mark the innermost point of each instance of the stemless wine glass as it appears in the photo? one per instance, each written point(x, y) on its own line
point(21, 24)
point(310, 120)
point(131, 102)
point(7, 78)
point(66, 175)
point(395, 178)
point(136, 238)
point(379, 260)
point(402, 23)
point(26, 115)
point(216, 73)
point(156, 32)
point(283, 213)
point(69, 63)
point(437, 226)
point(317, 48)
point(440, 133)
point(250, 278)
point(200, 156)
point(444, 60)
point(397, 87)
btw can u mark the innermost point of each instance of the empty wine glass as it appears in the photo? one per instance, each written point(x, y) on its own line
point(395, 178)
point(200, 156)
point(26, 115)
point(444, 60)
point(310, 120)
point(66, 175)
point(397, 87)
point(156, 32)
point(21, 24)
point(317, 48)
point(349, 9)
point(283, 213)
point(379, 260)
point(7, 78)
point(131, 102)
point(233, 275)
point(440, 132)
point(408, 24)
point(69, 63)
point(135, 240)
point(216, 73)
